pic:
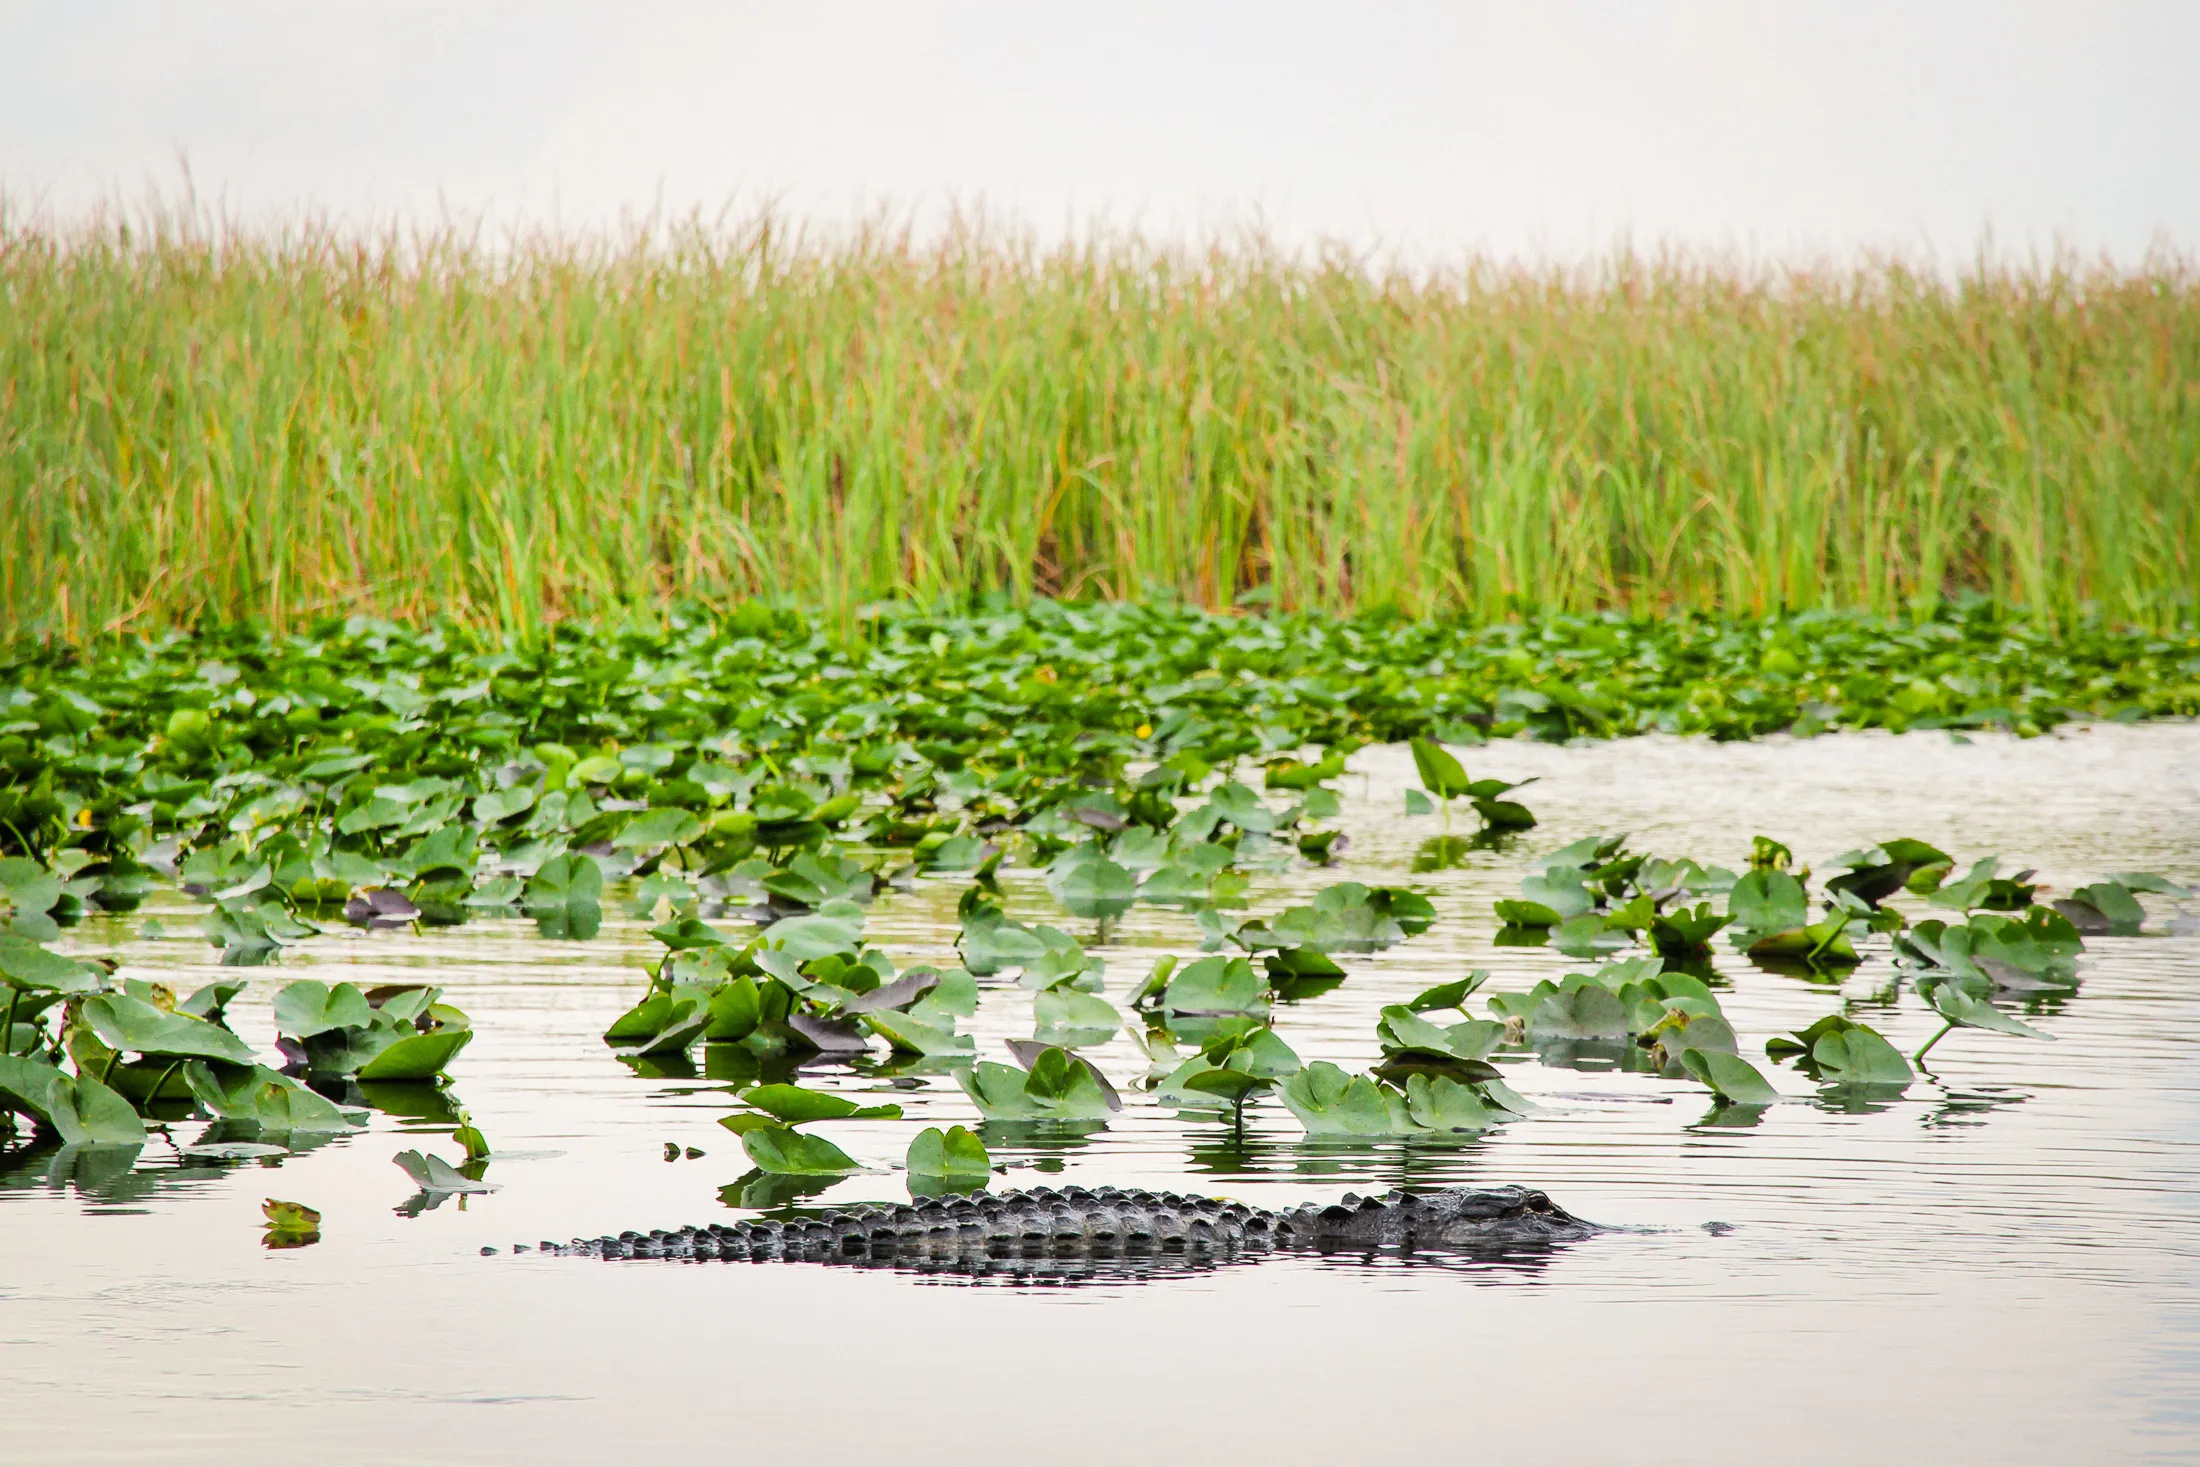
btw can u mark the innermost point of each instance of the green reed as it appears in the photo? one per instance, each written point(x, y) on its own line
point(205, 423)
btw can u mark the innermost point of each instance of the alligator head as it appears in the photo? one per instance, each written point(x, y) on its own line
point(1453, 1217)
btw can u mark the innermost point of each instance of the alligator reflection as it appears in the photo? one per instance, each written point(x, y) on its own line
point(1512, 1266)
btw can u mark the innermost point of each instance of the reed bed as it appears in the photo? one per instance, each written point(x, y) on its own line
point(202, 424)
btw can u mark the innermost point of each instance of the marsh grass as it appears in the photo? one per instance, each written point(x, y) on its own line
point(205, 423)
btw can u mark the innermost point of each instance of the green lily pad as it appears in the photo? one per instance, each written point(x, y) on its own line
point(78, 1109)
point(950, 1158)
point(1440, 772)
point(784, 1152)
point(1328, 1102)
point(1452, 995)
point(1216, 985)
point(1764, 902)
point(1532, 915)
point(1860, 1055)
point(792, 1105)
point(1439, 1103)
point(1587, 1010)
point(816, 936)
point(564, 896)
point(274, 1102)
point(908, 1034)
point(1057, 1087)
point(1733, 1079)
point(1559, 892)
point(135, 1027)
point(1971, 1012)
point(308, 1007)
point(1097, 888)
point(417, 1056)
point(1063, 1012)
point(432, 1174)
point(26, 966)
point(87, 1113)
point(653, 828)
point(1685, 934)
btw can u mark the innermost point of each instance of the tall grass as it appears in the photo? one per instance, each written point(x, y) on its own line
point(206, 423)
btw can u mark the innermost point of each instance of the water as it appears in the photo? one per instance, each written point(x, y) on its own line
point(1998, 1268)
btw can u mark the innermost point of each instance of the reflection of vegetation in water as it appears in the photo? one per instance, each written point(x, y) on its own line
point(104, 1176)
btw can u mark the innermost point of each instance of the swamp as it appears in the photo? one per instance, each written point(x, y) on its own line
point(494, 756)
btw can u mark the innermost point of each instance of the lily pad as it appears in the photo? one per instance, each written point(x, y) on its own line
point(1216, 985)
point(908, 1034)
point(308, 1007)
point(1452, 995)
point(1766, 901)
point(1733, 1079)
point(1098, 888)
point(1062, 1013)
point(79, 1109)
point(1970, 1012)
point(654, 828)
point(1439, 1103)
point(1058, 1086)
point(948, 1159)
point(417, 1056)
point(1860, 1055)
point(136, 1027)
point(1328, 1102)
point(784, 1152)
point(432, 1174)
point(564, 896)
point(1587, 1010)
point(274, 1102)
point(26, 966)
point(792, 1105)
point(290, 1224)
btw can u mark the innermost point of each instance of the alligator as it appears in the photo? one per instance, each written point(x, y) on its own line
point(1072, 1233)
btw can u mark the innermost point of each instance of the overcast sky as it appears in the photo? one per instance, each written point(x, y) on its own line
point(1782, 128)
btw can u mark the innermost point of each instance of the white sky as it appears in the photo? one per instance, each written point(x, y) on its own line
point(1784, 128)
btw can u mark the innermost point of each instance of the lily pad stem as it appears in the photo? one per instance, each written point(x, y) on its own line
point(154, 1094)
point(1919, 1057)
point(1827, 941)
point(7, 1029)
point(114, 1058)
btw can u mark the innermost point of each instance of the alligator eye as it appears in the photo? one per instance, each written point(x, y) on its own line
point(1536, 1202)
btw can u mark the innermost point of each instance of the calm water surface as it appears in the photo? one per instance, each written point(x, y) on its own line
point(2001, 1267)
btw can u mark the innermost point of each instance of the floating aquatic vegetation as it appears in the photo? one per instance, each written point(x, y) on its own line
point(393, 1032)
point(1052, 1084)
point(954, 1160)
point(78, 1108)
point(2110, 907)
point(436, 1177)
point(1445, 779)
point(1732, 1079)
point(1838, 1051)
point(289, 1224)
point(768, 1136)
point(749, 788)
point(1332, 1104)
point(1241, 1060)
